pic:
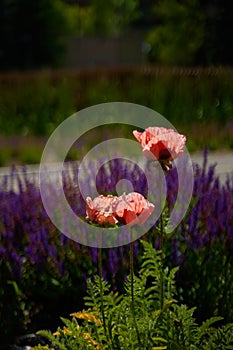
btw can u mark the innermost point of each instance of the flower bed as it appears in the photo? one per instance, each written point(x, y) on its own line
point(43, 273)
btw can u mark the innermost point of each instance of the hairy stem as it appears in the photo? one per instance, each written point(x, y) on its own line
point(101, 289)
point(161, 230)
point(132, 292)
point(161, 272)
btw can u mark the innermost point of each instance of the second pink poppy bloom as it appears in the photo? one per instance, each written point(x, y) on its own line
point(100, 210)
point(132, 209)
point(109, 210)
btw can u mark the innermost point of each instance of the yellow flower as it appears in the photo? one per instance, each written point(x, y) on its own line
point(87, 316)
point(66, 331)
point(91, 341)
point(57, 333)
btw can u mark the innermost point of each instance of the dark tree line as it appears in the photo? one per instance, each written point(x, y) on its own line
point(30, 33)
point(197, 32)
point(186, 32)
point(219, 32)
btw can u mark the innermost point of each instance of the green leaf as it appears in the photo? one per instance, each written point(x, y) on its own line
point(53, 339)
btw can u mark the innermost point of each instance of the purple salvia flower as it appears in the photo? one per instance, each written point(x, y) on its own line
point(113, 259)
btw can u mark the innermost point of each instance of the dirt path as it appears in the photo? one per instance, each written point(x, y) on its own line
point(222, 159)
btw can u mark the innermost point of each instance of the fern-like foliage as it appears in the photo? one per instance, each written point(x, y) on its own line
point(220, 339)
point(172, 327)
point(93, 299)
point(152, 267)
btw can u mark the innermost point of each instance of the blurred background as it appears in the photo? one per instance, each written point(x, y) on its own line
point(59, 56)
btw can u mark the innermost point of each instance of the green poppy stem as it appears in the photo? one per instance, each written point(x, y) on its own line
point(100, 266)
point(161, 230)
point(132, 292)
point(161, 272)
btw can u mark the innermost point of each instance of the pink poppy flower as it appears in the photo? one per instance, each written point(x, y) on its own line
point(161, 144)
point(132, 208)
point(99, 210)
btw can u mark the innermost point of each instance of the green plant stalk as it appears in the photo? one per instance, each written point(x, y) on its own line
point(132, 292)
point(161, 243)
point(100, 266)
point(161, 272)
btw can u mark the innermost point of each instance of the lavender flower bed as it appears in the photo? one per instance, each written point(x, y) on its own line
point(43, 273)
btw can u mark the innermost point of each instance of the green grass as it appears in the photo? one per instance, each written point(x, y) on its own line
point(198, 102)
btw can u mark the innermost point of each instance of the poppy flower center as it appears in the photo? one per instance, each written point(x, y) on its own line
point(164, 154)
